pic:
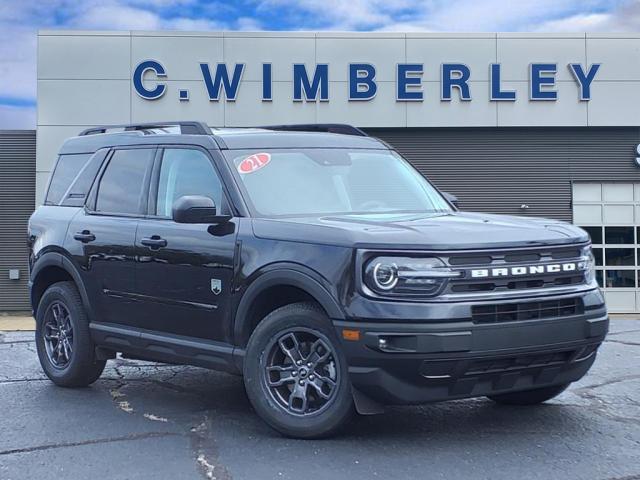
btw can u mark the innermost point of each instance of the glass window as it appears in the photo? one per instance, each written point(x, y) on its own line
point(597, 254)
point(620, 256)
point(621, 278)
point(595, 233)
point(333, 181)
point(67, 169)
point(618, 235)
point(599, 278)
point(186, 172)
point(121, 186)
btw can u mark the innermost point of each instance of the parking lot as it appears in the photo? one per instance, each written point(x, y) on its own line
point(145, 420)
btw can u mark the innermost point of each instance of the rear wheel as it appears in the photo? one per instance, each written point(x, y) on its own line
point(295, 374)
point(63, 341)
point(529, 397)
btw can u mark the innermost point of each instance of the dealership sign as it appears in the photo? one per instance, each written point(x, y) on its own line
point(311, 84)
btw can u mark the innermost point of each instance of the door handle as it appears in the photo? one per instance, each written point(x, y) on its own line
point(85, 236)
point(154, 241)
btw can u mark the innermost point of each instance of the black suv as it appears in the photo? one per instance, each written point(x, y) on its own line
point(311, 259)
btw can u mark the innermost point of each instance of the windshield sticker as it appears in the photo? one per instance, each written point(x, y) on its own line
point(254, 162)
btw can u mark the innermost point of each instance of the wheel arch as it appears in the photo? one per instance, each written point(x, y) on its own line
point(284, 279)
point(51, 268)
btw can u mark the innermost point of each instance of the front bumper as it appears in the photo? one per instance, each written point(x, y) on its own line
point(441, 360)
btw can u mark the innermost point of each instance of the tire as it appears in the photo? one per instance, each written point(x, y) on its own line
point(325, 402)
point(77, 367)
point(529, 397)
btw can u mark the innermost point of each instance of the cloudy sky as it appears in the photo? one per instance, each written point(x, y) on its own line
point(20, 20)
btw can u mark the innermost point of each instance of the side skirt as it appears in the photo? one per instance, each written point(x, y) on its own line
point(166, 347)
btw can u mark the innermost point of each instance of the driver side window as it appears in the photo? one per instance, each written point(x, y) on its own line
point(186, 172)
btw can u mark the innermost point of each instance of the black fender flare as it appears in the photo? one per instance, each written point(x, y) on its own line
point(58, 260)
point(284, 276)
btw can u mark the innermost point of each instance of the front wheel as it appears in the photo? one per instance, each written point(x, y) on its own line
point(295, 373)
point(529, 397)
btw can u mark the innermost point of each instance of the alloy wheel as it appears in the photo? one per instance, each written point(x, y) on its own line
point(301, 372)
point(58, 335)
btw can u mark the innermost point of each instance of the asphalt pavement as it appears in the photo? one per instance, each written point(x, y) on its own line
point(150, 421)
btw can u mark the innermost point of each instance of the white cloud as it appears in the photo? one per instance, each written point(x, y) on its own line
point(17, 118)
point(341, 14)
point(116, 17)
point(626, 18)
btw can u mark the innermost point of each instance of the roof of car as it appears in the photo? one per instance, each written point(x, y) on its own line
point(248, 138)
point(220, 138)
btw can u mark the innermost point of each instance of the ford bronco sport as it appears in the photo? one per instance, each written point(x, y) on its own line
point(311, 259)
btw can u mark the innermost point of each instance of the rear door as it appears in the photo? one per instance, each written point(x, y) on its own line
point(101, 237)
point(185, 271)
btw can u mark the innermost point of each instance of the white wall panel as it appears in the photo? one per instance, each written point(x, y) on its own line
point(179, 55)
point(433, 52)
point(83, 102)
point(566, 111)
point(83, 57)
point(587, 214)
point(249, 110)
point(382, 111)
point(587, 192)
point(281, 52)
point(515, 55)
point(384, 53)
point(614, 104)
point(617, 192)
point(619, 57)
point(618, 215)
point(620, 301)
point(434, 112)
point(168, 107)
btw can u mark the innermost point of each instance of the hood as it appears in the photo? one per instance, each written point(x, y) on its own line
point(444, 231)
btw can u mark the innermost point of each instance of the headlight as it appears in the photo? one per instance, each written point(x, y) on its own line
point(589, 264)
point(406, 276)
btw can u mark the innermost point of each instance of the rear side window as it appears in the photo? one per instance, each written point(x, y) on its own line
point(122, 184)
point(67, 169)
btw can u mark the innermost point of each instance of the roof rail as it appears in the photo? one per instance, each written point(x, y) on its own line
point(320, 127)
point(187, 128)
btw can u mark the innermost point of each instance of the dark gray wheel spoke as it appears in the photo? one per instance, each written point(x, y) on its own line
point(324, 386)
point(281, 375)
point(298, 398)
point(290, 346)
point(66, 348)
point(58, 335)
point(56, 315)
point(320, 352)
point(300, 371)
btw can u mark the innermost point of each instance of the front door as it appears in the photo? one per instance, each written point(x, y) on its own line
point(184, 271)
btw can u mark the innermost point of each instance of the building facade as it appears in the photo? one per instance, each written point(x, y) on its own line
point(524, 124)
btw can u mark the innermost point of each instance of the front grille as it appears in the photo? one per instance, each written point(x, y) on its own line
point(522, 311)
point(513, 258)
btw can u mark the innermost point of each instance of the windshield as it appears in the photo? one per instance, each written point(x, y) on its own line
point(298, 182)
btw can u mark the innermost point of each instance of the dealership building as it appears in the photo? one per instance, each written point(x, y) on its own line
point(522, 124)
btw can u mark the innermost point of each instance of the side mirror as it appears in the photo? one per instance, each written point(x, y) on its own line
point(195, 209)
point(452, 199)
